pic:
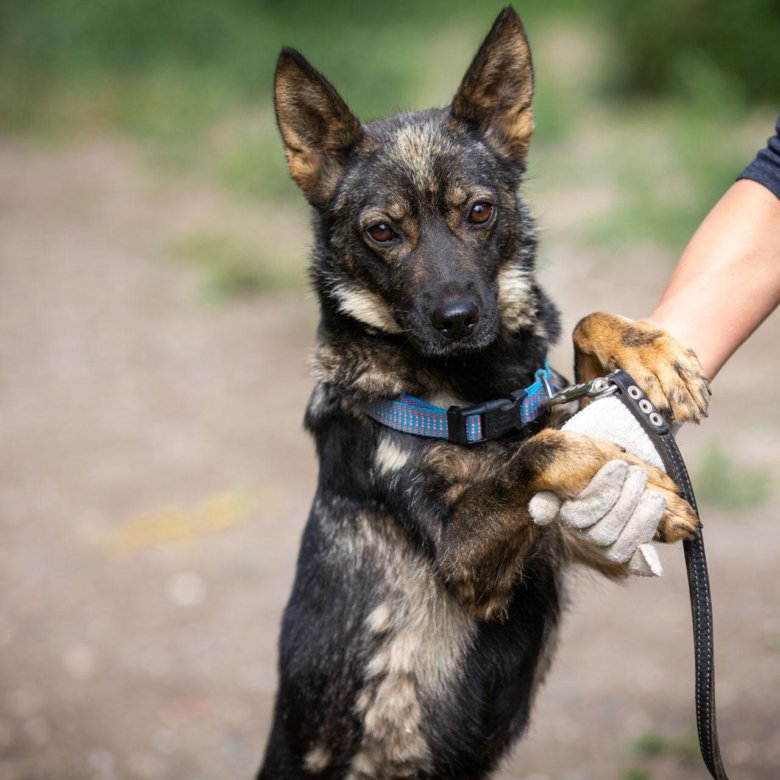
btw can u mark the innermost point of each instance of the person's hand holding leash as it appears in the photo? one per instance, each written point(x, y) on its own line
point(615, 511)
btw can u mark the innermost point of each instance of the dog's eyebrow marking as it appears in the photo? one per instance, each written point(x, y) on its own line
point(366, 307)
point(317, 759)
point(395, 212)
point(458, 195)
point(515, 297)
point(390, 457)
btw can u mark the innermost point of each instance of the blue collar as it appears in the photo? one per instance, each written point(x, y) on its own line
point(468, 424)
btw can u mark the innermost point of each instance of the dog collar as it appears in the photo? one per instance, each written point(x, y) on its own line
point(469, 424)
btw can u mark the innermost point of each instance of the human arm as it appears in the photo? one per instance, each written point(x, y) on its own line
point(728, 278)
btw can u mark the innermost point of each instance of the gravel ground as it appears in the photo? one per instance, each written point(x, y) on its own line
point(154, 479)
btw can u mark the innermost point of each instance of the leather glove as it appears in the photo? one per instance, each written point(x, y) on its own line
point(615, 511)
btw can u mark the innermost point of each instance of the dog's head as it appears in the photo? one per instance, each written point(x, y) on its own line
point(421, 231)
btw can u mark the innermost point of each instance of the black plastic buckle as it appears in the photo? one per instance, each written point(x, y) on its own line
point(498, 417)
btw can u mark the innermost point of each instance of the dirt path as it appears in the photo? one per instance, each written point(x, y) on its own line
point(154, 480)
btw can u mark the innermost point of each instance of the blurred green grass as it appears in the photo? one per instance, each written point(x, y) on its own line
point(229, 267)
point(721, 482)
point(651, 744)
point(635, 773)
point(683, 748)
point(638, 100)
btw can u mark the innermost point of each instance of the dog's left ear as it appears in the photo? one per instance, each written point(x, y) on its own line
point(495, 94)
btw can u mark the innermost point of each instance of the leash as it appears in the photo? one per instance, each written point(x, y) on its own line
point(491, 419)
point(622, 386)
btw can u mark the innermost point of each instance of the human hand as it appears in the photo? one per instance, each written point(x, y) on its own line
point(615, 512)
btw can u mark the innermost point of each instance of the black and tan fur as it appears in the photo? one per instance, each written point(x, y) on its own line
point(425, 606)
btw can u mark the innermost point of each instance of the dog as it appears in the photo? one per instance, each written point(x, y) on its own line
point(425, 607)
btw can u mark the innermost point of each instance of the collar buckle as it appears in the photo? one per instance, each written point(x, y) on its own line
point(498, 417)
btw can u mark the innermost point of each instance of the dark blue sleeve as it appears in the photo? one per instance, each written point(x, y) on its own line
point(765, 169)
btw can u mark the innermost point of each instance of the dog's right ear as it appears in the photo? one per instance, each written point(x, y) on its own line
point(317, 127)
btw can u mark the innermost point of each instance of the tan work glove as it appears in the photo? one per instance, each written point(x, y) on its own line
point(615, 511)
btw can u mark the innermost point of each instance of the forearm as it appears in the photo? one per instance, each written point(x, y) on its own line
point(728, 279)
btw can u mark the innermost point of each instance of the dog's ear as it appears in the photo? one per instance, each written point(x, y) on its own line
point(495, 94)
point(317, 127)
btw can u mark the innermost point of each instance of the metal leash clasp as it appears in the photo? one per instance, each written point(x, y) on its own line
point(600, 387)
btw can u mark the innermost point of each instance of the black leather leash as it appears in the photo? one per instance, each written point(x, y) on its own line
point(659, 431)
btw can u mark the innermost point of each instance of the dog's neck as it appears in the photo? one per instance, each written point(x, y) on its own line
point(363, 363)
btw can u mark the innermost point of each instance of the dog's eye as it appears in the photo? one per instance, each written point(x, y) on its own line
point(481, 212)
point(381, 233)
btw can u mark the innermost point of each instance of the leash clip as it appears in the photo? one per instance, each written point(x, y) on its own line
point(600, 387)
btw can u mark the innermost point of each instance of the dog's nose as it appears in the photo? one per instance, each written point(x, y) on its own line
point(456, 318)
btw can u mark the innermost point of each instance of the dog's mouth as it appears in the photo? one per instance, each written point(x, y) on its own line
point(439, 349)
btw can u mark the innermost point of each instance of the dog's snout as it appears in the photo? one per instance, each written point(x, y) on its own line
point(456, 318)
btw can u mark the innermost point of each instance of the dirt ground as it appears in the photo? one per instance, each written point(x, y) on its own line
point(154, 480)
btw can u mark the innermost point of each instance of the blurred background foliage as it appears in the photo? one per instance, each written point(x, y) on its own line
point(660, 103)
point(680, 47)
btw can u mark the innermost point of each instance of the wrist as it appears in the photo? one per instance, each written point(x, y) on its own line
point(708, 350)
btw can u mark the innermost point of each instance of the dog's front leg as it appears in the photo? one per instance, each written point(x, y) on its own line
point(489, 531)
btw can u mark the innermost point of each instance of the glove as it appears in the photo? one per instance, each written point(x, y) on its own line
point(614, 512)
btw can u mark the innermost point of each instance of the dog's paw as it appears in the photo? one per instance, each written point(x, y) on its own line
point(679, 521)
point(668, 372)
point(591, 477)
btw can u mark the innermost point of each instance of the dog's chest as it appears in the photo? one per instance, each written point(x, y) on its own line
point(418, 636)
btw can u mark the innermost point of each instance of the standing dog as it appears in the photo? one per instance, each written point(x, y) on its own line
point(425, 605)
